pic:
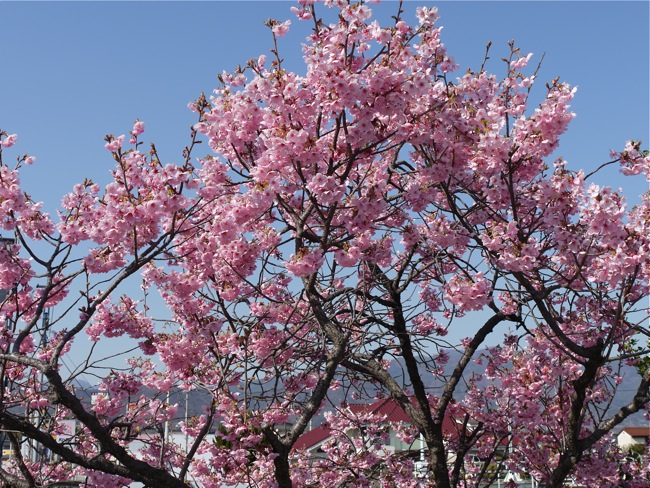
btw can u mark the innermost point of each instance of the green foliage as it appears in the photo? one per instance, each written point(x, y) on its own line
point(636, 451)
point(640, 354)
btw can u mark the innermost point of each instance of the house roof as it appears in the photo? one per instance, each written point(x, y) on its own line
point(385, 407)
point(637, 431)
point(313, 437)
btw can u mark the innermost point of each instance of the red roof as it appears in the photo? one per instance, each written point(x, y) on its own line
point(386, 407)
point(313, 437)
point(638, 431)
point(394, 413)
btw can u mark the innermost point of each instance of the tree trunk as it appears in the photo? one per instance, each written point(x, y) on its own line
point(282, 471)
point(439, 465)
point(560, 473)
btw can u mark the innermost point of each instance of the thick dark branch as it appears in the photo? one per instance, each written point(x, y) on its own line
point(195, 445)
point(374, 370)
point(11, 481)
point(99, 463)
point(126, 464)
point(638, 403)
point(471, 348)
point(574, 448)
point(539, 297)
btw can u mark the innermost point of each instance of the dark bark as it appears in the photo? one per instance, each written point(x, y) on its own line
point(11, 481)
point(575, 448)
point(282, 445)
point(282, 470)
point(128, 466)
point(124, 464)
point(464, 445)
point(438, 447)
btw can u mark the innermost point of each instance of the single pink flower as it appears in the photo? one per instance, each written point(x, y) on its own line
point(281, 29)
point(9, 141)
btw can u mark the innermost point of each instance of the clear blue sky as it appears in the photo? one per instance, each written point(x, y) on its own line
point(75, 71)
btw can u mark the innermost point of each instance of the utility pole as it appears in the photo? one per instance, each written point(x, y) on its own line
point(33, 452)
point(5, 242)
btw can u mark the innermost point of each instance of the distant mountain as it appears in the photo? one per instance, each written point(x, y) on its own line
point(623, 396)
point(197, 402)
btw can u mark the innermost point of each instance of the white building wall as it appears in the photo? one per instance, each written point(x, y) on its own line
point(625, 440)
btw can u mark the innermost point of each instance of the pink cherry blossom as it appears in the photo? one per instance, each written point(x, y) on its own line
point(345, 225)
point(115, 144)
point(281, 28)
point(9, 141)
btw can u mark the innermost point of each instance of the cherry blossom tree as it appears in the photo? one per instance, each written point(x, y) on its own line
point(344, 223)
